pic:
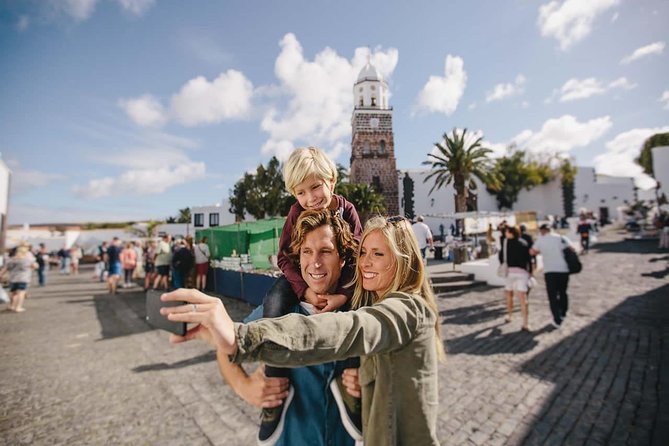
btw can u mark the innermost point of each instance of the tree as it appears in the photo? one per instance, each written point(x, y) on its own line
point(516, 173)
point(645, 158)
point(145, 231)
point(459, 160)
point(366, 200)
point(184, 216)
point(567, 174)
point(261, 194)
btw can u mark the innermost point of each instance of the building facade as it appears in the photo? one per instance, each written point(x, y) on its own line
point(372, 143)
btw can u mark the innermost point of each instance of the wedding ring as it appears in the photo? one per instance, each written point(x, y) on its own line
point(194, 308)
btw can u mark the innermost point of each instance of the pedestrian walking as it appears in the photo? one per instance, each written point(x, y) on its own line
point(42, 259)
point(202, 256)
point(182, 262)
point(128, 259)
point(20, 267)
point(114, 261)
point(556, 272)
point(163, 262)
point(149, 263)
point(516, 254)
point(424, 237)
point(75, 256)
point(583, 230)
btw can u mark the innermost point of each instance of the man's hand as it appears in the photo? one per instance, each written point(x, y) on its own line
point(333, 301)
point(261, 391)
point(214, 323)
point(351, 381)
point(314, 299)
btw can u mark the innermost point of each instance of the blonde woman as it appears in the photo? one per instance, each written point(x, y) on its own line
point(20, 269)
point(395, 329)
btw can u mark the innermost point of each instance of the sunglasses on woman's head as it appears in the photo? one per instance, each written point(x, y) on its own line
point(395, 219)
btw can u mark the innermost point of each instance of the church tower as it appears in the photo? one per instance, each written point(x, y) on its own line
point(373, 146)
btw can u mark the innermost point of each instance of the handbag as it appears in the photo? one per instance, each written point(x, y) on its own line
point(573, 262)
point(503, 268)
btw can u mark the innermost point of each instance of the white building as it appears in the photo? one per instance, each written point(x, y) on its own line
point(600, 194)
point(204, 217)
point(5, 179)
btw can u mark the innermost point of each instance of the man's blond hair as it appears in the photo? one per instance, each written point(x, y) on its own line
point(307, 161)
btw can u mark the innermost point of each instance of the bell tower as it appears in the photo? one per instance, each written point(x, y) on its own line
point(372, 145)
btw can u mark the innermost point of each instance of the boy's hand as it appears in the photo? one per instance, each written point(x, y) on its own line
point(333, 301)
point(351, 382)
point(314, 299)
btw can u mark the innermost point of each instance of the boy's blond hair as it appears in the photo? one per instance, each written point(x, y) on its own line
point(307, 161)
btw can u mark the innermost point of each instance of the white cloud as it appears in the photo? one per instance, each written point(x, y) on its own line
point(561, 135)
point(26, 180)
point(79, 10)
point(313, 101)
point(665, 99)
point(136, 7)
point(623, 83)
point(575, 89)
point(202, 102)
point(622, 150)
point(442, 93)
point(142, 181)
point(653, 48)
point(571, 20)
point(502, 91)
point(23, 23)
point(146, 110)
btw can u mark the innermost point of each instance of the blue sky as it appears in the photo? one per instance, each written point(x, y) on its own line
point(117, 110)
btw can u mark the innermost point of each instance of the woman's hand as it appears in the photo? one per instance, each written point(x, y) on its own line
point(263, 392)
point(350, 380)
point(214, 323)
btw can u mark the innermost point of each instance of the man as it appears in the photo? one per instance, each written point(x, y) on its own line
point(310, 415)
point(42, 257)
point(583, 229)
point(114, 261)
point(556, 271)
point(424, 237)
point(530, 242)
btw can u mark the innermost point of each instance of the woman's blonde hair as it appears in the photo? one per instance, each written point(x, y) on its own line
point(410, 276)
point(305, 162)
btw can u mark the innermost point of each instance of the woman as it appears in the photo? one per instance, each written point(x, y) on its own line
point(395, 329)
point(149, 263)
point(128, 263)
point(75, 256)
point(20, 268)
point(202, 255)
point(516, 254)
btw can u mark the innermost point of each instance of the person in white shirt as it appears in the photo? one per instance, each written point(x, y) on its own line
point(556, 272)
point(202, 256)
point(424, 237)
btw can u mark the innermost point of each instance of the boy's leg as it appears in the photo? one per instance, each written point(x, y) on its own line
point(278, 302)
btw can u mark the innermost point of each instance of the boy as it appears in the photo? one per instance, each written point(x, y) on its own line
point(310, 175)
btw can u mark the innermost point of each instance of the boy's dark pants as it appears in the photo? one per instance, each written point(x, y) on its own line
point(279, 301)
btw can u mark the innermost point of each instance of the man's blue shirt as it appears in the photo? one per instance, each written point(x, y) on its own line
point(312, 418)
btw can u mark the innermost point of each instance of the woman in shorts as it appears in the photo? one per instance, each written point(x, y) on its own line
point(20, 268)
point(519, 262)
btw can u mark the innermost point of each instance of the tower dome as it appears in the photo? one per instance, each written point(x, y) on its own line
point(369, 73)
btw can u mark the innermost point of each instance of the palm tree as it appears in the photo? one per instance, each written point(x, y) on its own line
point(458, 160)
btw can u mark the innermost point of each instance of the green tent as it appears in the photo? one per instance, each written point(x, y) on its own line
point(259, 239)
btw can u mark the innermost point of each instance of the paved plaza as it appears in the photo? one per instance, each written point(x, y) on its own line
point(81, 367)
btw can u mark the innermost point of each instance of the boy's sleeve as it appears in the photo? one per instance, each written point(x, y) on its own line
point(286, 264)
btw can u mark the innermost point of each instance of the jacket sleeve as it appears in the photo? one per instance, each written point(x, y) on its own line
point(285, 263)
point(296, 340)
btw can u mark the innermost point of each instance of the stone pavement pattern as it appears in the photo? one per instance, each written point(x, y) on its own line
point(82, 367)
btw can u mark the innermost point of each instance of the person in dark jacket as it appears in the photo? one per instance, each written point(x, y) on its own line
point(182, 262)
point(515, 253)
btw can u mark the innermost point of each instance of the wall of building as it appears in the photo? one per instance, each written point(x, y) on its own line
point(661, 168)
point(592, 192)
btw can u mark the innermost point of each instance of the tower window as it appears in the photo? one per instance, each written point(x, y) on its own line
point(365, 147)
point(361, 102)
point(373, 101)
point(382, 147)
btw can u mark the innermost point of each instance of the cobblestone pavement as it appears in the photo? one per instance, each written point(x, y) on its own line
point(81, 367)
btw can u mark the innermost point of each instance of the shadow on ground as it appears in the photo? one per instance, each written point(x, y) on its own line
point(206, 357)
point(628, 247)
point(114, 326)
point(611, 380)
point(492, 341)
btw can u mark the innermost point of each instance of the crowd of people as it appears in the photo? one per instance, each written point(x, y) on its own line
point(157, 265)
